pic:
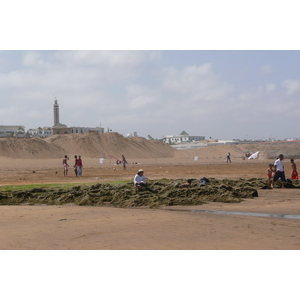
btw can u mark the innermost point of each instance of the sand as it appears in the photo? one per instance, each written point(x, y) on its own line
point(107, 228)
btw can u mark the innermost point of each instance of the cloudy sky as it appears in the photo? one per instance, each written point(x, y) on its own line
point(219, 94)
point(222, 93)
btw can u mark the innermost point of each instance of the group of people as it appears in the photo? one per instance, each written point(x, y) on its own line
point(276, 171)
point(77, 165)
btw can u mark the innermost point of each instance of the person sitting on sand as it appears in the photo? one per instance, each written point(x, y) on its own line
point(270, 174)
point(294, 173)
point(187, 184)
point(139, 179)
point(65, 164)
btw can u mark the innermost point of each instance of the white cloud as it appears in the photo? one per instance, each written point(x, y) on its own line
point(292, 86)
point(266, 69)
point(116, 59)
point(34, 60)
point(270, 88)
point(194, 91)
point(189, 78)
point(140, 96)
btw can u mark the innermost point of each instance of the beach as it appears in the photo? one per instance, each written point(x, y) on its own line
point(74, 227)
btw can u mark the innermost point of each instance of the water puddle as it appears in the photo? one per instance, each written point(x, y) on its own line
point(220, 212)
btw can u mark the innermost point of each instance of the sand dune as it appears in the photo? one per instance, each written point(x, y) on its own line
point(92, 145)
point(112, 144)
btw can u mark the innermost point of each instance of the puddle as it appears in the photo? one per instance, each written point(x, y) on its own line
point(220, 212)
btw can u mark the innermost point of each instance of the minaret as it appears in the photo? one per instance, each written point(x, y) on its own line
point(56, 112)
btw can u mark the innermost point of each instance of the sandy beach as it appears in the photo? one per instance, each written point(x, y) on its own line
point(106, 228)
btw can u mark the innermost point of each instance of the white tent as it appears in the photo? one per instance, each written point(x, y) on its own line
point(254, 155)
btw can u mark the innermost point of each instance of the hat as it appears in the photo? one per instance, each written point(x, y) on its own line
point(140, 170)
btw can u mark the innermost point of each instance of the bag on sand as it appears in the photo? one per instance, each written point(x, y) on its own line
point(204, 180)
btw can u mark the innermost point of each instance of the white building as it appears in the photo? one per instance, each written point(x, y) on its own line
point(183, 137)
point(132, 134)
point(40, 132)
point(12, 130)
point(87, 129)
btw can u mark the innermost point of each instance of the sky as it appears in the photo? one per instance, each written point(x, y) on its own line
point(208, 69)
point(213, 93)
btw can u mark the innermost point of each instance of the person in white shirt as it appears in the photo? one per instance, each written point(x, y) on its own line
point(139, 179)
point(279, 170)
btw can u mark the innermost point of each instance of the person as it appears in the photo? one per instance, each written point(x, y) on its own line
point(270, 174)
point(139, 179)
point(65, 164)
point(294, 173)
point(76, 165)
point(79, 166)
point(124, 162)
point(279, 170)
point(228, 157)
point(187, 184)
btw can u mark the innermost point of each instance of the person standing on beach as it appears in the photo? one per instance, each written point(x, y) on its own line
point(124, 162)
point(294, 173)
point(79, 166)
point(76, 165)
point(279, 170)
point(65, 164)
point(228, 157)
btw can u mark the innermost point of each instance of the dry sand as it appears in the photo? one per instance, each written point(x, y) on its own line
point(73, 227)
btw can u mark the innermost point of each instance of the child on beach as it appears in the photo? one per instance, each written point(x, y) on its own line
point(65, 164)
point(294, 173)
point(270, 175)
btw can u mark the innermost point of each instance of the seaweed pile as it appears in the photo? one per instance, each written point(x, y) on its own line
point(156, 193)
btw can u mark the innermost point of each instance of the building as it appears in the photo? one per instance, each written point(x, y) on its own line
point(12, 130)
point(40, 132)
point(87, 129)
point(60, 128)
point(183, 137)
point(132, 134)
point(56, 112)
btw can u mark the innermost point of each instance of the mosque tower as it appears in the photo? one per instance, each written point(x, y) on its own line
point(56, 112)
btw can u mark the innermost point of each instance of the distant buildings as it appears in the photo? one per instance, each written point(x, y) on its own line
point(59, 128)
point(87, 129)
point(12, 130)
point(183, 137)
point(132, 134)
point(44, 132)
point(40, 132)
